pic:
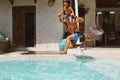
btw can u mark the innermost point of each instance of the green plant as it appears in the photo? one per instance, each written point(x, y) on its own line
point(2, 38)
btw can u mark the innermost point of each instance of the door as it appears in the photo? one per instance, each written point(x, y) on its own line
point(24, 26)
point(29, 29)
point(18, 27)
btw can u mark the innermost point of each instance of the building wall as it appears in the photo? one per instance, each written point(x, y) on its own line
point(48, 29)
point(6, 18)
point(90, 16)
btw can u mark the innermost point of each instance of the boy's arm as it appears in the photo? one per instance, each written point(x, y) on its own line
point(60, 19)
point(72, 14)
point(59, 14)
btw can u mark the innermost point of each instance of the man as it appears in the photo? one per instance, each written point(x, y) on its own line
point(75, 33)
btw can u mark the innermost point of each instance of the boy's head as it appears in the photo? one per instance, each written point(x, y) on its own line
point(66, 3)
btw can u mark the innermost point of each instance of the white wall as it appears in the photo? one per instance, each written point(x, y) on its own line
point(90, 16)
point(6, 18)
point(6, 14)
point(48, 29)
point(23, 2)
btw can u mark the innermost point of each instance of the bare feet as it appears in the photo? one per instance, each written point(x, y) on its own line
point(63, 52)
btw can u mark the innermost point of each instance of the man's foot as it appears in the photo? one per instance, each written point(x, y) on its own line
point(63, 52)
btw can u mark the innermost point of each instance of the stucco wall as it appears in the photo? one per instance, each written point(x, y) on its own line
point(23, 2)
point(6, 18)
point(48, 29)
point(90, 16)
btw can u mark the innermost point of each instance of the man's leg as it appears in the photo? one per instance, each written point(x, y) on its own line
point(69, 38)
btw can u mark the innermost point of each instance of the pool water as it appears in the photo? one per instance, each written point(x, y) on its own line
point(52, 69)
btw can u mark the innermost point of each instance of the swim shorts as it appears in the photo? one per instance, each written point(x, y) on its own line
point(77, 36)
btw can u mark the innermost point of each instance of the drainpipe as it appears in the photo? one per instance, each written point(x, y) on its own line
point(76, 13)
point(76, 8)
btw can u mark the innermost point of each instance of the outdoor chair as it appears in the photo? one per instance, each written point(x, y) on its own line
point(88, 39)
point(112, 38)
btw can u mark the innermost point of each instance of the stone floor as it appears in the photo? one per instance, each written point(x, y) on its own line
point(97, 52)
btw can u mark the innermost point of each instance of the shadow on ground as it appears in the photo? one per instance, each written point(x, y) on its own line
point(85, 59)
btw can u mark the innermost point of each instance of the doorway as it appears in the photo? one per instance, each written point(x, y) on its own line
point(24, 34)
point(109, 21)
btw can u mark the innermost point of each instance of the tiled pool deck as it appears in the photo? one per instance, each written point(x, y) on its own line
point(112, 53)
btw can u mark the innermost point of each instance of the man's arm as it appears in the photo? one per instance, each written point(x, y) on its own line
point(80, 19)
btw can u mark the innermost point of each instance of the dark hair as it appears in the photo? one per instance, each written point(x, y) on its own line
point(67, 1)
point(74, 17)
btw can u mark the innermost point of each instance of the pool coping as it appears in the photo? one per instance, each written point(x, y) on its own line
point(104, 53)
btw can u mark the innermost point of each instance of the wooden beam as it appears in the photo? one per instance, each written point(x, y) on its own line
point(11, 1)
point(35, 1)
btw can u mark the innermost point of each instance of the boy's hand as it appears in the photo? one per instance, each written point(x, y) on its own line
point(59, 15)
point(60, 20)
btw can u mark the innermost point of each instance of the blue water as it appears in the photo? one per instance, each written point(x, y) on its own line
point(52, 69)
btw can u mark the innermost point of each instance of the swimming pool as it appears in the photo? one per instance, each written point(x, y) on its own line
point(82, 68)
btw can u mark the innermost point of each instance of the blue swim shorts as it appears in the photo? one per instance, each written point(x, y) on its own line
point(77, 36)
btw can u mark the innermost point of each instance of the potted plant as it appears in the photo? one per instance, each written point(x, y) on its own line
point(4, 43)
